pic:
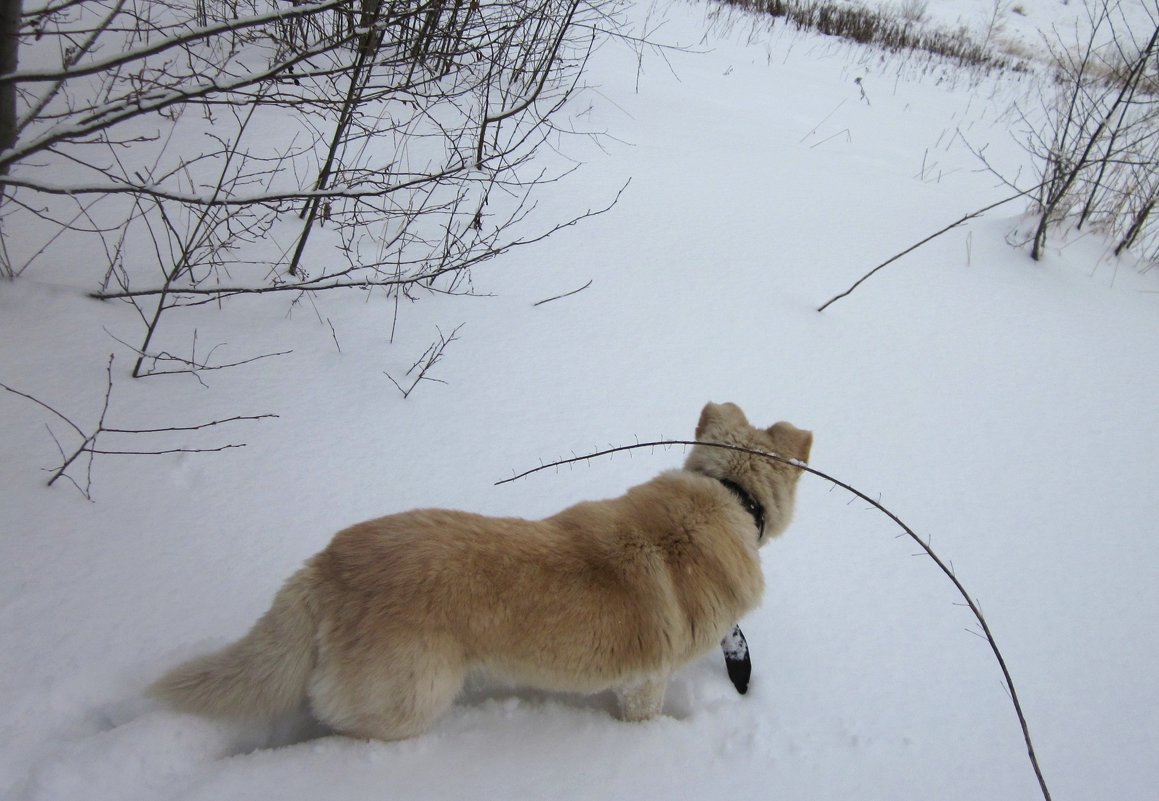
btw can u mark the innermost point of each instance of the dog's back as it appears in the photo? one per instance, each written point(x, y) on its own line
point(584, 600)
point(380, 629)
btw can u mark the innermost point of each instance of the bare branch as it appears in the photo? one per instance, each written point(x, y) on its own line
point(931, 237)
point(946, 570)
point(88, 442)
point(426, 361)
point(564, 295)
point(44, 405)
point(177, 41)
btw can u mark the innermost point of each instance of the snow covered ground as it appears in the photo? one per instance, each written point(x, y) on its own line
point(1002, 407)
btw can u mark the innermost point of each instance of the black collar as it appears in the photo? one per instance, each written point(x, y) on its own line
point(750, 505)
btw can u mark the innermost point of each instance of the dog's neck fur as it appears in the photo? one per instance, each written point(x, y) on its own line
point(749, 503)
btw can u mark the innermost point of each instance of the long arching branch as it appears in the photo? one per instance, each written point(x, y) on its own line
point(971, 603)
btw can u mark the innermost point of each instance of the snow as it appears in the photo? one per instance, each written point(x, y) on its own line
point(1003, 408)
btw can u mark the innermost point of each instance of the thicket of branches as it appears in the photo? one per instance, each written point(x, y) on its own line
point(1098, 154)
point(195, 150)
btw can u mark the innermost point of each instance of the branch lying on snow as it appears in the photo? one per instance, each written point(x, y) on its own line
point(931, 237)
point(971, 603)
point(88, 443)
point(424, 363)
point(564, 295)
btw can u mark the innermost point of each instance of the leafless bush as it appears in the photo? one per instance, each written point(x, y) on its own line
point(206, 149)
point(1098, 151)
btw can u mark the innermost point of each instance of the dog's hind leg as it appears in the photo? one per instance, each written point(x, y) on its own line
point(392, 699)
point(643, 699)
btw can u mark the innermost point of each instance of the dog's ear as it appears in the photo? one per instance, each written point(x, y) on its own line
point(804, 445)
point(717, 416)
point(793, 442)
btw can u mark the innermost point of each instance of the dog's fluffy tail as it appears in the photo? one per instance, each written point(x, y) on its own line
point(262, 675)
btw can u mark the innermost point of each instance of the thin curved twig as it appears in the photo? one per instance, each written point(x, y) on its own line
point(925, 546)
point(961, 220)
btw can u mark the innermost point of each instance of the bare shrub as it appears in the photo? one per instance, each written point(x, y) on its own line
point(205, 149)
point(1097, 152)
point(892, 30)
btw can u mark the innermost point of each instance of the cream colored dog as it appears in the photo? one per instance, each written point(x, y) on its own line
point(380, 629)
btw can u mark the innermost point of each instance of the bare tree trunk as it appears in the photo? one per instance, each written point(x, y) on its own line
point(9, 51)
point(368, 45)
point(1136, 226)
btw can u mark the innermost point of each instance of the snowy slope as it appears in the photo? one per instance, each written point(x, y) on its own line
point(1004, 408)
